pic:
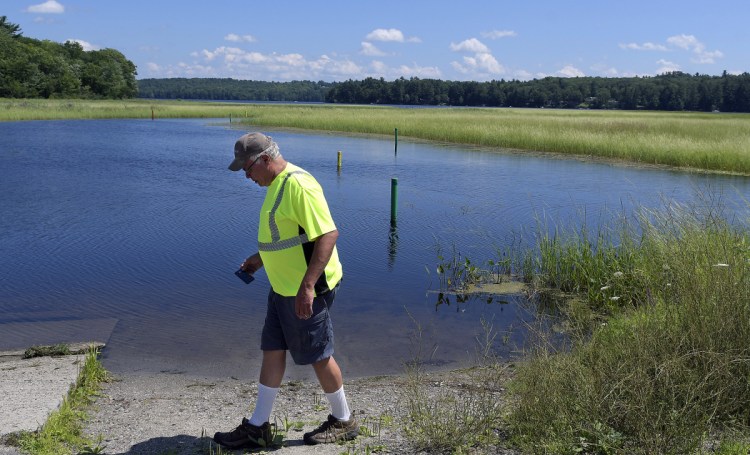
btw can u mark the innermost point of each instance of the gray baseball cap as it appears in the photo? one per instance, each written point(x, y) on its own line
point(249, 145)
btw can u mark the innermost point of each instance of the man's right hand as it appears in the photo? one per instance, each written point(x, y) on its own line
point(252, 264)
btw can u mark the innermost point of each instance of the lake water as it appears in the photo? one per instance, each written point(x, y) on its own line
point(128, 231)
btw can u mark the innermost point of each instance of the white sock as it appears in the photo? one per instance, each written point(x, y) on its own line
point(263, 405)
point(339, 408)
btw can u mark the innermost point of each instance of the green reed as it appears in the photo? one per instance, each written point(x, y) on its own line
point(669, 368)
point(703, 141)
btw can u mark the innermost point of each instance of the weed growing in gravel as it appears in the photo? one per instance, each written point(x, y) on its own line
point(63, 432)
point(453, 419)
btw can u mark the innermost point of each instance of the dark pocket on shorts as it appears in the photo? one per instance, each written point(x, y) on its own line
point(311, 333)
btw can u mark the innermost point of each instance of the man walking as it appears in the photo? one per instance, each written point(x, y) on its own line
point(297, 247)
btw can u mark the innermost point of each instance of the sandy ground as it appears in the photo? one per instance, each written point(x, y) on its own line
point(176, 414)
point(30, 389)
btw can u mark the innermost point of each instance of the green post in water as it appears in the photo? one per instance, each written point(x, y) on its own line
point(395, 135)
point(338, 163)
point(394, 200)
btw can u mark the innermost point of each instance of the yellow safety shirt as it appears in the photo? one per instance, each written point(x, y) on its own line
point(293, 215)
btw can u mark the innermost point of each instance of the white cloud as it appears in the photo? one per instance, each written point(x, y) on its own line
point(684, 41)
point(382, 34)
point(391, 35)
point(644, 47)
point(371, 50)
point(240, 64)
point(680, 42)
point(85, 45)
point(570, 71)
point(488, 63)
point(605, 70)
point(48, 7)
point(233, 37)
point(380, 69)
point(691, 43)
point(497, 34)
point(469, 45)
point(223, 50)
point(237, 63)
point(707, 57)
point(666, 66)
point(481, 65)
point(425, 72)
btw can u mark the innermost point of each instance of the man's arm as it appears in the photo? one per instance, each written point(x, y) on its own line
point(321, 254)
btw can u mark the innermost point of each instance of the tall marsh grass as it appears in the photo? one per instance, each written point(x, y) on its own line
point(704, 141)
point(671, 367)
point(691, 140)
point(43, 109)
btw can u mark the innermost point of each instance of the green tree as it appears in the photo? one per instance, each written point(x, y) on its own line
point(14, 30)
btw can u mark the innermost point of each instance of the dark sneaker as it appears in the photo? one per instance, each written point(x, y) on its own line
point(246, 436)
point(333, 430)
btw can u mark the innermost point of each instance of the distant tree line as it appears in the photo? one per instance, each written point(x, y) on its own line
point(673, 91)
point(232, 89)
point(31, 68)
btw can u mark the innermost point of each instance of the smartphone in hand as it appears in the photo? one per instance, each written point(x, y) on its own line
point(244, 276)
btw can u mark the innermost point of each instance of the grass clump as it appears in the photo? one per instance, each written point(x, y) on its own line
point(462, 415)
point(669, 367)
point(448, 421)
point(62, 433)
point(45, 351)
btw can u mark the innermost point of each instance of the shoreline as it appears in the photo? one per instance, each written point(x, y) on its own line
point(178, 412)
point(175, 413)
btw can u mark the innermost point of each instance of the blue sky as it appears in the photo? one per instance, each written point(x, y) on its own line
point(451, 40)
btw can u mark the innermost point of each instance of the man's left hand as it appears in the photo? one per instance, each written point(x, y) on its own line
point(303, 303)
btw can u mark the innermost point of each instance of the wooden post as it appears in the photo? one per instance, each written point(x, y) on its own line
point(338, 162)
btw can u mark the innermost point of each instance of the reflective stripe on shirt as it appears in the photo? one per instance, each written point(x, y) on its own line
point(276, 244)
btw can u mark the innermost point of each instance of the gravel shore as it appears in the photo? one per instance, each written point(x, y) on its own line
point(178, 414)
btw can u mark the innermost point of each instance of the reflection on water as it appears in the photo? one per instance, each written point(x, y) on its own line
point(130, 230)
point(392, 245)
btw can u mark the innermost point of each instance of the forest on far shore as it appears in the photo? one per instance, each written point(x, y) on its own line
point(669, 92)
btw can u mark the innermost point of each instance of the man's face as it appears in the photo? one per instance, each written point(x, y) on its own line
point(255, 169)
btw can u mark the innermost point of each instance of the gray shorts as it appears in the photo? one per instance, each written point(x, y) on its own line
point(308, 340)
